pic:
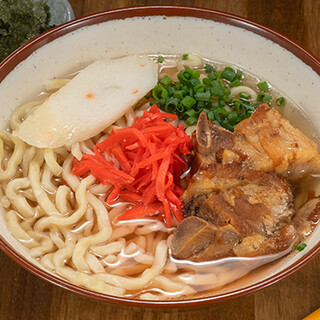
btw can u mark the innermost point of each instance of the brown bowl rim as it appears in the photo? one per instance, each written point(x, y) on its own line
point(7, 65)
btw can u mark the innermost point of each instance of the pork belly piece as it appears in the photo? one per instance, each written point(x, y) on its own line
point(250, 200)
point(249, 212)
point(225, 241)
point(266, 141)
point(288, 148)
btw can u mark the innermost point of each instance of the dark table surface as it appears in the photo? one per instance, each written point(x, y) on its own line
point(24, 296)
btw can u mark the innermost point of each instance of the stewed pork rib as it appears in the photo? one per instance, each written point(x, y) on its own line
point(266, 142)
point(239, 192)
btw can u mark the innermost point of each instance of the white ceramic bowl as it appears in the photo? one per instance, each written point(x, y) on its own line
point(169, 30)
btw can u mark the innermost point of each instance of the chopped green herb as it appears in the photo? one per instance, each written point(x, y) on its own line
point(210, 115)
point(191, 120)
point(185, 56)
point(180, 94)
point(166, 81)
point(172, 106)
point(300, 246)
point(263, 86)
point(235, 83)
point(245, 96)
point(192, 94)
point(160, 59)
point(262, 97)
point(239, 74)
point(228, 74)
point(188, 102)
point(159, 92)
point(217, 89)
point(280, 101)
point(203, 96)
point(208, 68)
point(191, 113)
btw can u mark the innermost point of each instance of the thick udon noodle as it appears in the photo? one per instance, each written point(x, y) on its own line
point(64, 223)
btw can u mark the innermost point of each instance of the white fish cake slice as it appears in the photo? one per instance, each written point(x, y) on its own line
point(94, 99)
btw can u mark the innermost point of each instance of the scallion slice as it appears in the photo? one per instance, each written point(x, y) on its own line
point(160, 59)
point(228, 74)
point(263, 86)
point(172, 105)
point(166, 81)
point(245, 96)
point(208, 68)
point(300, 246)
point(280, 101)
point(191, 120)
point(188, 102)
point(235, 83)
point(203, 96)
point(159, 92)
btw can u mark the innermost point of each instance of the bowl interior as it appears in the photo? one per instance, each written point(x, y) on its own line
point(68, 49)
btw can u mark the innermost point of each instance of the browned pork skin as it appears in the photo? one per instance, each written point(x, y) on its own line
point(266, 142)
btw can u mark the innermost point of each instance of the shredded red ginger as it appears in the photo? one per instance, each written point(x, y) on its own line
point(151, 159)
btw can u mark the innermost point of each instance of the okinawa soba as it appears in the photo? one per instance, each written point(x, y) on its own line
point(146, 176)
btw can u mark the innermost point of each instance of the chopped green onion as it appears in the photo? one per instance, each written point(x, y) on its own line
point(228, 74)
point(300, 246)
point(191, 120)
point(216, 89)
point(235, 83)
point(180, 94)
point(191, 113)
point(159, 92)
point(210, 93)
point(239, 74)
point(210, 115)
point(263, 97)
point(208, 68)
point(218, 74)
point(203, 96)
point(221, 103)
point(226, 92)
point(280, 101)
point(170, 90)
point(263, 86)
point(233, 117)
point(160, 59)
point(212, 76)
point(222, 111)
point(172, 105)
point(198, 88)
point(207, 82)
point(245, 96)
point(185, 56)
point(194, 82)
point(188, 74)
point(188, 102)
point(166, 81)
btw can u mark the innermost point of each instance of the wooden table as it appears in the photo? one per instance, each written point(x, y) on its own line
point(24, 296)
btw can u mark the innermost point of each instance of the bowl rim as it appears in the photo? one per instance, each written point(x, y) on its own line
point(8, 64)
